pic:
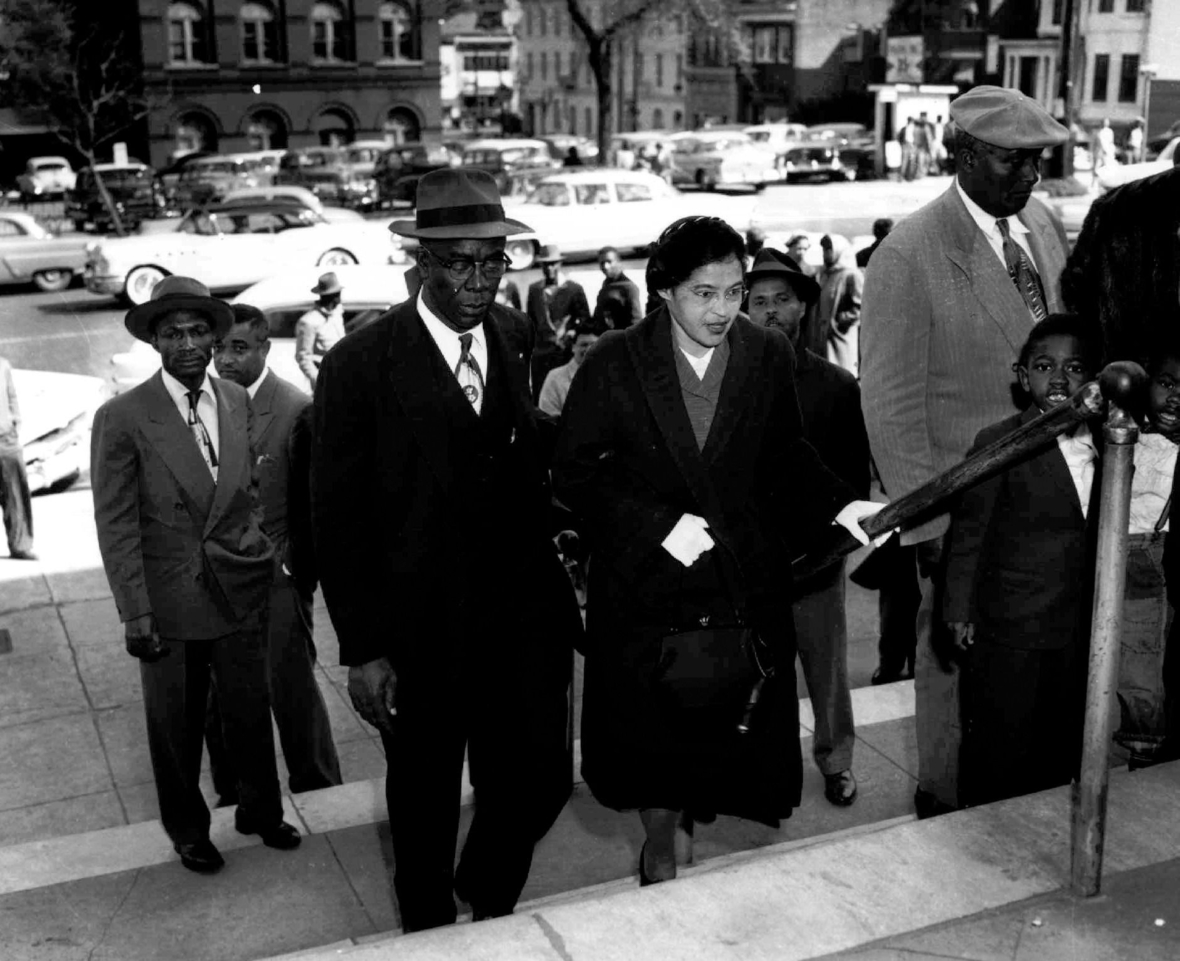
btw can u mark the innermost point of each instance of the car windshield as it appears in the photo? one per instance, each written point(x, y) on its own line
point(550, 195)
point(51, 167)
point(810, 154)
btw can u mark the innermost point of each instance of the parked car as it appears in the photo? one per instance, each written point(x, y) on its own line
point(638, 140)
point(504, 158)
point(362, 155)
point(228, 247)
point(211, 178)
point(29, 252)
point(398, 170)
point(369, 291)
point(169, 174)
point(136, 191)
point(326, 172)
point(816, 161)
point(56, 413)
point(296, 196)
point(710, 159)
point(856, 134)
point(46, 177)
point(779, 137)
point(263, 164)
point(1113, 175)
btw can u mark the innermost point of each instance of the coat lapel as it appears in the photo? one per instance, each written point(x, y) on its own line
point(263, 404)
point(171, 438)
point(736, 390)
point(233, 450)
point(1047, 255)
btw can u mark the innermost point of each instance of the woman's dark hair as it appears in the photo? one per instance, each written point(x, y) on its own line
point(689, 243)
point(1065, 325)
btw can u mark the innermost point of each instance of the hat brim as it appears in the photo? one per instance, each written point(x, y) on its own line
point(805, 286)
point(485, 231)
point(327, 292)
point(140, 320)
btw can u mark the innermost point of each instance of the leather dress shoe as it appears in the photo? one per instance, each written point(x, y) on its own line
point(281, 835)
point(840, 788)
point(200, 856)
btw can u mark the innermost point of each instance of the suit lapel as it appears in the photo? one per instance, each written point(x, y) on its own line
point(263, 404)
point(171, 438)
point(1047, 256)
point(233, 449)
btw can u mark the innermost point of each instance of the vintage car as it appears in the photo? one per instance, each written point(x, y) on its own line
point(46, 177)
point(284, 298)
point(296, 196)
point(326, 172)
point(56, 411)
point(584, 210)
point(504, 159)
point(29, 252)
point(398, 170)
point(817, 161)
point(779, 137)
point(708, 159)
point(211, 178)
point(136, 191)
point(228, 247)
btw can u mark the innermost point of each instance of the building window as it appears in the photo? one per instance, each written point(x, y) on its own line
point(589, 116)
point(397, 32)
point(639, 68)
point(543, 23)
point(1101, 77)
point(330, 33)
point(1028, 77)
point(557, 64)
point(657, 119)
point(260, 34)
point(1058, 12)
point(679, 69)
point(1135, 6)
point(186, 34)
point(1129, 78)
point(773, 43)
point(528, 21)
point(544, 65)
point(1106, 6)
point(528, 65)
point(659, 70)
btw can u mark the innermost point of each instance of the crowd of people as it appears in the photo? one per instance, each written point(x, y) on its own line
point(693, 448)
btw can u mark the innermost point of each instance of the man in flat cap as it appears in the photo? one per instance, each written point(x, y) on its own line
point(180, 533)
point(950, 296)
point(430, 502)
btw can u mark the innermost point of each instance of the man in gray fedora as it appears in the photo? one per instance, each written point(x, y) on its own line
point(190, 568)
point(430, 505)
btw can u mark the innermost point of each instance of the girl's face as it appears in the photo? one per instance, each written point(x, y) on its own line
point(1056, 369)
point(1164, 412)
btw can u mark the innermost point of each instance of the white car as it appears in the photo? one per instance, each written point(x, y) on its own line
point(709, 159)
point(585, 210)
point(232, 246)
point(368, 292)
point(46, 177)
point(1115, 175)
point(56, 412)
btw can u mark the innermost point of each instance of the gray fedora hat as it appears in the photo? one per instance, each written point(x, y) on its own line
point(178, 293)
point(457, 204)
point(328, 283)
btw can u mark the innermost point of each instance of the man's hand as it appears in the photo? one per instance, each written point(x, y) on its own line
point(373, 690)
point(689, 539)
point(142, 640)
point(853, 513)
point(962, 635)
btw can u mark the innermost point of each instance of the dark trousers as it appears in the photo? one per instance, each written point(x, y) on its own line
point(937, 716)
point(15, 502)
point(821, 631)
point(515, 737)
point(1023, 713)
point(897, 609)
point(305, 732)
point(175, 699)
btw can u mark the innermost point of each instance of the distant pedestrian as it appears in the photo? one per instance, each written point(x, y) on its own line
point(556, 305)
point(572, 159)
point(838, 313)
point(797, 247)
point(1135, 143)
point(15, 501)
point(617, 286)
point(321, 328)
point(755, 241)
point(881, 228)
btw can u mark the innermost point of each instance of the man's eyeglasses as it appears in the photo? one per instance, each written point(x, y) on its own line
point(461, 268)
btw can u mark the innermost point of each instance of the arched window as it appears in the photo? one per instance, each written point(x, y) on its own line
point(186, 34)
point(589, 122)
point(398, 37)
point(260, 34)
point(266, 130)
point(401, 126)
point(331, 33)
point(195, 131)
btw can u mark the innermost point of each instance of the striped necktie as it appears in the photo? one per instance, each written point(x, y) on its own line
point(201, 433)
point(1024, 275)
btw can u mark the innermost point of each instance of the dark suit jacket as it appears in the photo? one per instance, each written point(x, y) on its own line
point(568, 302)
point(625, 294)
point(431, 522)
point(173, 543)
point(1020, 560)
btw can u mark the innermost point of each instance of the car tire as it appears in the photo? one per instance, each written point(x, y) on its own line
point(137, 289)
point(522, 253)
point(51, 281)
point(336, 258)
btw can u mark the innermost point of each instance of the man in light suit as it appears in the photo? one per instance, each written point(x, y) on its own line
point(190, 568)
point(281, 444)
point(15, 503)
point(949, 299)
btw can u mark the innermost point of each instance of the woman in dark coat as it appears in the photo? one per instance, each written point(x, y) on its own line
point(682, 450)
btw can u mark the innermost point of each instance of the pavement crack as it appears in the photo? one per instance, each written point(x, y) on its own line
point(114, 914)
point(556, 941)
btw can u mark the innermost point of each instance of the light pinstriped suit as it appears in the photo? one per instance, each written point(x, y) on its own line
point(941, 324)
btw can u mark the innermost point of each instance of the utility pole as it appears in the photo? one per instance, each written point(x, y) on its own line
point(1071, 20)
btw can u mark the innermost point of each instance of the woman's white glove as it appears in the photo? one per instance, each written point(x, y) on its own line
point(853, 513)
point(689, 539)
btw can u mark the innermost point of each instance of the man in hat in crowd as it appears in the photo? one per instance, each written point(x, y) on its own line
point(780, 297)
point(556, 305)
point(321, 328)
point(172, 474)
point(282, 445)
point(949, 299)
point(431, 496)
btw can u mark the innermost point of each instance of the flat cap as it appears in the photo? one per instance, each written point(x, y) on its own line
point(1006, 118)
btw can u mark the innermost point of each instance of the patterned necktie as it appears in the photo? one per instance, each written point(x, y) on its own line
point(201, 433)
point(1024, 275)
point(468, 374)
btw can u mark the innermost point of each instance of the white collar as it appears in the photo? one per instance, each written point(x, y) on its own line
point(440, 331)
point(253, 388)
point(986, 222)
point(179, 393)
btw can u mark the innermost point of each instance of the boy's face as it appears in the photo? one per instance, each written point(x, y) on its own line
point(1165, 398)
point(582, 345)
point(1057, 367)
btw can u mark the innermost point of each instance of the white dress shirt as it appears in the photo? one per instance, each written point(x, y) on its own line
point(1151, 484)
point(253, 388)
point(206, 410)
point(699, 364)
point(1079, 453)
point(447, 341)
point(987, 223)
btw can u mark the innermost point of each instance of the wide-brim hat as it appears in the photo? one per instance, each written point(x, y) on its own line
point(178, 293)
point(1006, 118)
point(459, 204)
point(550, 254)
point(772, 263)
point(328, 283)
